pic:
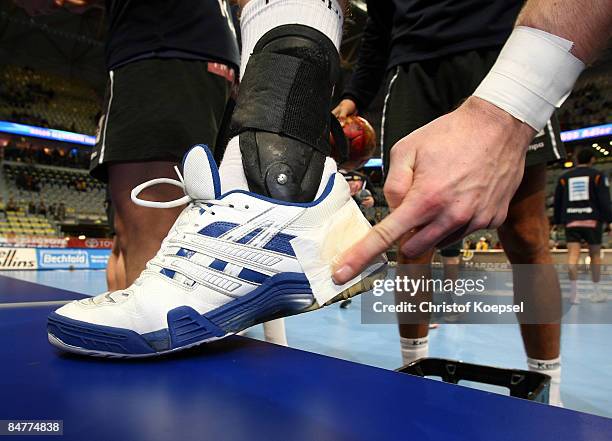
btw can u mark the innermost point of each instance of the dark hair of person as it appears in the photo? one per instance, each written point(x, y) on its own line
point(584, 156)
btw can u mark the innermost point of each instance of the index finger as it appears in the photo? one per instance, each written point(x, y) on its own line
point(379, 239)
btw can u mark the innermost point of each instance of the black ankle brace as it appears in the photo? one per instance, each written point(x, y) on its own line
point(282, 112)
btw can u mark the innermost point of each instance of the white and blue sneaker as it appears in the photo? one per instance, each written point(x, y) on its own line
point(229, 262)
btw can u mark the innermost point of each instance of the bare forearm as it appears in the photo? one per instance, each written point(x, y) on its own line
point(587, 24)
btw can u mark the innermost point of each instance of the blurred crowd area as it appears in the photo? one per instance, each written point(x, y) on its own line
point(45, 186)
point(46, 100)
point(43, 189)
point(32, 153)
point(590, 103)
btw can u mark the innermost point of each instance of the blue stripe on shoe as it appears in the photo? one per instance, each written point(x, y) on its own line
point(249, 236)
point(217, 229)
point(183, 252)
point(252, 276)
point(280, 244)
point(168, 273)
point(217, 264)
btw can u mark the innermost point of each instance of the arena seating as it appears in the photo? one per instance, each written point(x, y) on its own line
point(39, 198)
point(41, 99)
point(589, 104)
point(20, 223)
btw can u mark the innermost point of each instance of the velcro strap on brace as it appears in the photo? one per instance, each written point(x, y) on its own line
point(285, 95)
point(337, 133)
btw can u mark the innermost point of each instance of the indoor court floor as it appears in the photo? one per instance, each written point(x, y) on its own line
point(339, 333)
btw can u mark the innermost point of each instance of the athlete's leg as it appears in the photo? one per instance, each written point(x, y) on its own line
point(450, 262)
point(140, 230)
point(290, 63)
point(414, 326)
point(573, 255)
point(271, 157)
point(451, 267)
point(120, 278)
point(524, 236)
point(111, 267)
point(115, 269)
point(595, 254)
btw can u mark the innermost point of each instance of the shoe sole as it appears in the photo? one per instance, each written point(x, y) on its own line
point(362, 286)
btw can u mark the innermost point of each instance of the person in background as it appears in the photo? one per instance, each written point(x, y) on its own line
point(365, 198)
point(11, 205)
point(171, 71)
point(42, 208)
point(61, 211)
point(482, 244)
point(582, 206)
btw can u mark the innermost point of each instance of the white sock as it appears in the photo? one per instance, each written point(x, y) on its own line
point(574, 286)
point(553, 369)
point(573, 290)
point(260, 16)
point(274, 332)
point(231, 172)
point(413, 349)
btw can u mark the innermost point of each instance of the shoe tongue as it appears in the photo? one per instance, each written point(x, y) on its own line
point(201, 174)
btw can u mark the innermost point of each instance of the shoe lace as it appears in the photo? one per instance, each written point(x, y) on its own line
point(191, 215)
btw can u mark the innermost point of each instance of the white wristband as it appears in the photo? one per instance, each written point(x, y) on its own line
point(534, 74)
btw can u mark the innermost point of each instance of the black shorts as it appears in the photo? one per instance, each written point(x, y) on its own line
point(418, 93)
point(156, 109)
point(591, 236)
